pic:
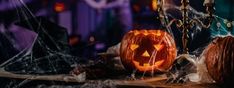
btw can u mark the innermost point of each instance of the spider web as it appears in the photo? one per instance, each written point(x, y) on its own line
point(192, 67)
point(54, 57)
point(49, 53)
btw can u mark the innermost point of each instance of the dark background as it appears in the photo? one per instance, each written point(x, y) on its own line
point(91, 29)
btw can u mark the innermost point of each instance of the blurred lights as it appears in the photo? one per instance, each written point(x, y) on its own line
point(154, 5)
point(92, 39)
point(59, 7)
point(136, 8)
point(73, 41)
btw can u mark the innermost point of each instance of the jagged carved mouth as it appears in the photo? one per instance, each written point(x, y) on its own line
point(148, 66)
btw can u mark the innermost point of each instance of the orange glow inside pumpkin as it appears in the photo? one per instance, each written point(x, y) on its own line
point(147, 67)
point(145, 32)
point(133, 47)
point(158, 33)
point(158, 47)
point(148, 50)
point(145, 54)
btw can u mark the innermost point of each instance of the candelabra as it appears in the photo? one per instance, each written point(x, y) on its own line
point(185, 24)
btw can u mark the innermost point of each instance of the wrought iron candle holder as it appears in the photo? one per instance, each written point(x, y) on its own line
point(185, 24)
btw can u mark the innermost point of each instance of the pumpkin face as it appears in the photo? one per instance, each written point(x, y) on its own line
point(220, 60)
point(147, 50)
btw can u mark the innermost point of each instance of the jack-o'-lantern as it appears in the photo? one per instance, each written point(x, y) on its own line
point(220, 60)
point(148, 50)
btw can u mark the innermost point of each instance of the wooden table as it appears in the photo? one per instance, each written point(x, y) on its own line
point(155, 82)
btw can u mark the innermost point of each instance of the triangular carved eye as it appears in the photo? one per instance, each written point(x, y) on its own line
point(146, 54)
point(158, 47)
point(134, 46)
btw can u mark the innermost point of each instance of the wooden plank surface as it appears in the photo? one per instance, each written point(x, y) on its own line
point(155, 82)
point(64, 78)
point(160, 82)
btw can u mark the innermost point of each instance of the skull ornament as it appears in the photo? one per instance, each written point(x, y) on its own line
point(148, 50)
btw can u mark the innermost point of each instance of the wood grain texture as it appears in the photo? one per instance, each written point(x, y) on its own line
point(155, 82)
point(64, 78)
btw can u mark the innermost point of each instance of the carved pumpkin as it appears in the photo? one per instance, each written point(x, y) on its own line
point(148, 50)
point(220, 60)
